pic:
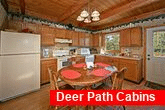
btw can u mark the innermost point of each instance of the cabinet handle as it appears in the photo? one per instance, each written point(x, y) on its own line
point(148, 58)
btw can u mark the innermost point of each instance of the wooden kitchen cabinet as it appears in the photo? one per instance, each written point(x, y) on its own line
point(102, 39)
point(134, 72)
point(85, 39)
point(45, 64)
point(47, 39)
point(60, 33)
point(136, 36)
point(125, 38)
point(78, 59)
point(81, 38)
point(106, 59)
point(47, 35)
point(96, 40)
point(134, 67)
point(131, 37)
point(75, 39)
point(68, 34)
point(91, 40)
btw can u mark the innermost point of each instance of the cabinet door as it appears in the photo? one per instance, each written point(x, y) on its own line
point(125, 37)
point(81, 39)
point(96, 40)
point(133, 71)
point(60, 33)
point(136, 36)
point(75, 39)
point(102, 40)
point(80, 60)
point(44, 69)
point(47, 39)
point(68, 34)
point(87, 39)
point(47, 36)
point(91, 40)
point(44, 72)
point(98, 58)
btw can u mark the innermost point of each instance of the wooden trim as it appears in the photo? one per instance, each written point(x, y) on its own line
point(4, 4)
point(22, 6)
point(145, 46)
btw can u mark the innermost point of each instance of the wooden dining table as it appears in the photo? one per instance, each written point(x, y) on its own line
point(87, 78)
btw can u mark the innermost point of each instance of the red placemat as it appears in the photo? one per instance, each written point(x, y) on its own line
point(102, 64)
point(70, 74)
point(81, 65)
point(100, 72)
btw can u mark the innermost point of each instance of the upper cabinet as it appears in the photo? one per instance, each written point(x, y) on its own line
point(95, 40)
point(136, 36)
point(68, 34)
point(85, 39)
point(60, 33)
point(125, 37)
point(75, 39)
point(102, 39)
point(131, 37)
point(47, 35)
point(81, 36)
point(88, 39)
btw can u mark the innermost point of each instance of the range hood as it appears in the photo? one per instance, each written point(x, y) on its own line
point(67, 41)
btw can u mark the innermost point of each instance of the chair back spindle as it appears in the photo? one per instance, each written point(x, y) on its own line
point(53, 79)
point(118, 79)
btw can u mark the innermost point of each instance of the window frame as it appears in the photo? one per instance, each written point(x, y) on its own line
point(105, 41)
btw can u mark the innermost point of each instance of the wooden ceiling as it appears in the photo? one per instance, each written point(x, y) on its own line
point(113, 12)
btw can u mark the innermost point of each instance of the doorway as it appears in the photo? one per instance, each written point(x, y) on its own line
point(155, 62)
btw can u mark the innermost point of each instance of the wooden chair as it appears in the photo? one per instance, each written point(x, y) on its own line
point(54, 86)
point(118, 79)
point(117, 82)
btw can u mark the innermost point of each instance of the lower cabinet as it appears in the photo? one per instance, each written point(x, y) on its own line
point(134, 67)
point(45, 64)
point(78, 59)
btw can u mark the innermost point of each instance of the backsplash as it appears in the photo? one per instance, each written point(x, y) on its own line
point(56, 47)
point(133, 50)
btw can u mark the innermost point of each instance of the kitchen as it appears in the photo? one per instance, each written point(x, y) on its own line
point(120, 39)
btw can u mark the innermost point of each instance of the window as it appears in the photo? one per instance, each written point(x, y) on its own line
point(159, 43)
point(112, 41)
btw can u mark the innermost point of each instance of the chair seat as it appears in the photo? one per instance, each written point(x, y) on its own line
point(66, 87)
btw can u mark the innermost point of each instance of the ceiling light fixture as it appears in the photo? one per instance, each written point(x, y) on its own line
point(86, 17)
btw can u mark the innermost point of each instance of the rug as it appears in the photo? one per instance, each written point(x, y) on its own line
point(154, 86)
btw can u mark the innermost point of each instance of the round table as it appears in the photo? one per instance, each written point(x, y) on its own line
point(86, 79)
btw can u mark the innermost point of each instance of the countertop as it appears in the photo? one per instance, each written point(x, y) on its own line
point(50, 58)
point(122, 57)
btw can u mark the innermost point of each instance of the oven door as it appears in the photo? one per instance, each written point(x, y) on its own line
point(66, 63)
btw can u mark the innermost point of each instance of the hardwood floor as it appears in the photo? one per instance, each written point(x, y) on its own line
point(39, 100)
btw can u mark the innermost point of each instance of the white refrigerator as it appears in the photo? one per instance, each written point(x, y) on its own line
point(19, 64)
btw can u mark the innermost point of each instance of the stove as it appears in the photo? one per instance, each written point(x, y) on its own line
point(62, 57)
